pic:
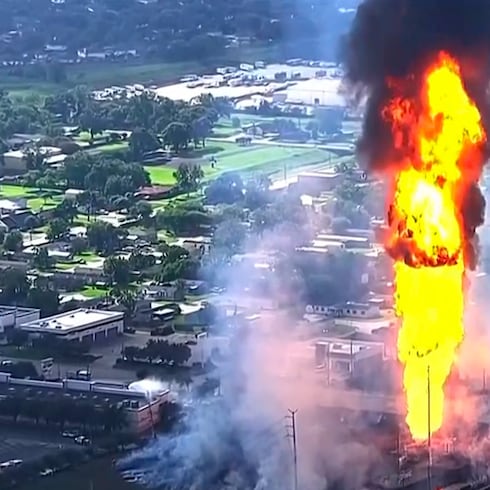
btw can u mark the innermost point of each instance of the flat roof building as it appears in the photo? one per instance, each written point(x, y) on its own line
point(82, 325)
point(14, 316)
point(142, 410)
point(344, 359)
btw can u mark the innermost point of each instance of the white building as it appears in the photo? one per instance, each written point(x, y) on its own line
point(347, 310)
point(343, 358)
point(15, 161)
point(84, 325)
point(73, 193)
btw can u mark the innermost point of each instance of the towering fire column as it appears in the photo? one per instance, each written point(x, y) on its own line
point(437, 132)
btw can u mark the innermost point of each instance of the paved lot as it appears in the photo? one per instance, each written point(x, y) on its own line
point(28, 445)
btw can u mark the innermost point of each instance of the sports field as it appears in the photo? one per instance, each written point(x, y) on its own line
point(230, 157)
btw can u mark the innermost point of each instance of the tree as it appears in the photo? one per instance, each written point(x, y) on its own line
point(201, 129)
point(30, 223)
point(66, 210)
point(13, 241)
point(127, 298)
point(142, 141)
point(117, 270)
point(183, 218)
point(229, 237)
point(103, 237)
point(143, 210)
point(188, 177)
point(46, 299)
point(14, 285)
point(77, 167)
point(176, 135)
point(228, 188)
point(79, 245)
point(34, 158)
point(18, 337)
point(57, 228)
point(42, 260)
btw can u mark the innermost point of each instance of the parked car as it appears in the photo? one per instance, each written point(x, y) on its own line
point(69, 434)
point(82, 440)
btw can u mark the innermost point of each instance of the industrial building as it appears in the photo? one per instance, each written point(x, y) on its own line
point(84, 325)
point(142, 409)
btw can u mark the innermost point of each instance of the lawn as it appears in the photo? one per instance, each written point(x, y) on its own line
point(161, 175)
point(87, 256)
point(15, 191)
point(33, 196)
point(94, 292)
point(268, 159)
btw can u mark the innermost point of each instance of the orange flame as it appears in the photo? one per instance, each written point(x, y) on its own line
point(437, 133)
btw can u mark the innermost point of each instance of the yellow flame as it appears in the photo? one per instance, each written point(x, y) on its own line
point(435, 132)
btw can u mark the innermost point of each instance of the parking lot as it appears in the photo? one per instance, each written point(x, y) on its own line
point(28, 445)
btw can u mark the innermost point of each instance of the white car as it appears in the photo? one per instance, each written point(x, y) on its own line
point(82, 440)
point(68, 434)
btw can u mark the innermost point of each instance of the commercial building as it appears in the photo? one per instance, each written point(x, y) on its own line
point(14, 316)
point(343, 359)
point(142, 409)
point(84, 325)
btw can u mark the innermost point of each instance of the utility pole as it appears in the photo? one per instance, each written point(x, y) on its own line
point(292, 416)
point(429, 445)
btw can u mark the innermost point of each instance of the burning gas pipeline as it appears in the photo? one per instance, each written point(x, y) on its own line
point(423, 66)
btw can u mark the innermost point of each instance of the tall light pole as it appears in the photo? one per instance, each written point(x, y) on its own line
point(292, 415)
point(429, 442)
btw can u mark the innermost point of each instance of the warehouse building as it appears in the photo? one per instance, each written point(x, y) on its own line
point(84, 325)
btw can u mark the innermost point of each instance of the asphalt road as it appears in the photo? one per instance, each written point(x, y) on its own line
point(28, 444)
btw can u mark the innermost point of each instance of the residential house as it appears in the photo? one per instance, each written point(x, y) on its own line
point(200, 244)
point(14, 161)
point(191, 315)
point(16, 220)
point(154, 192)
point(318, 182)
point(170, 291)
point(243, 140)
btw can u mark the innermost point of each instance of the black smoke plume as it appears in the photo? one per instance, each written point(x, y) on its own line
point(397, 39)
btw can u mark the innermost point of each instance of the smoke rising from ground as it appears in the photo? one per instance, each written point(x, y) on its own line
point(239, 441)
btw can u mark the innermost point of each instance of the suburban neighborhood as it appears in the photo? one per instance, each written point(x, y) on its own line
point(195, 291)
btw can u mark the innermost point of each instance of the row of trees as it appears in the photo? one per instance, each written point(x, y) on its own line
point(60, 411)
point(191, 30)
point(154, 122)
point(162, 351)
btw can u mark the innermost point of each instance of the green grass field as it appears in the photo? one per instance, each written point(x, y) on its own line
point(268, 159)
point(33, 196)
point(94, 292)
